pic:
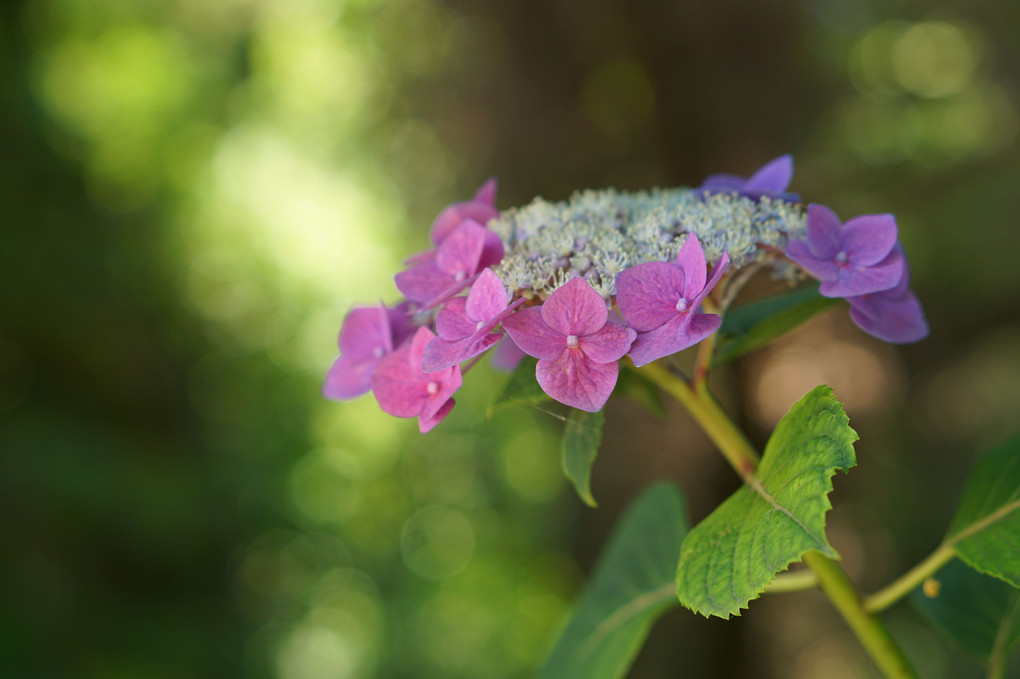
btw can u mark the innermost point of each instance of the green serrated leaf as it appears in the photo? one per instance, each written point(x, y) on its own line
point(978, 612)
point(731, 556)
point(631, 586)
point(986, 529)
point(581, 439)
point(754, 325)
point(521, 389)
point(633, 383)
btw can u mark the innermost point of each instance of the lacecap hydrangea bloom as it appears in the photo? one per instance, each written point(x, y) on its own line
point(585, 283)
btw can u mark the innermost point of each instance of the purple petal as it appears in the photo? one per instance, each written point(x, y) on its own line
point(691, 260)
point(719, 183)
point(399, 388)
point(610, 343)
point(486, 193)
point(577, 381)
point(487, 297)
point(574, 309)
point(507, 355)
point(647, 294)
point(823, 269)
point(349, 377)
point(824, 231)
point(492, 250)
point(427, 424)
point(401, 322)
point(446, 383)
point(423, 282)
point(530, 332)
point(459, 252)
point(869, 239)
point(365, 330)
point(717, 272)
point(420, 257)
point(440, 353)
point(446, 293)
point(897, 320)
point(452, 322)
point(676, 335)
point(774, 176)
point(864, 280)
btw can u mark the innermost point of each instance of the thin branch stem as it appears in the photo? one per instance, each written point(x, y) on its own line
point(743, 457)
point(905, 584)
point(796, 581)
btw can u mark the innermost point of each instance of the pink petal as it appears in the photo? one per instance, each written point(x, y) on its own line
point(446, 293)
point(610, 343)
point(717, 272)
point(486, 193)
point(487, 297)
point(448, 381)
point(575, 309)
point(824, 231)
point(577, 381)
point(869, 239)
point(427, 424)
point(774, 176)
point(864, 280)
point(691, 260)
point(676, 335)
point(454, 215)
point(399, 388)
point(365, 329)
point(420, 257)
point(349, 377)
point(459, 252)
point(647, 294)
point(530, 332)
point(507, 355)
point(492, 251)
point(440, 353)
point(401, 322)
point(452, 322)
point(423, 281)
point(823, 269)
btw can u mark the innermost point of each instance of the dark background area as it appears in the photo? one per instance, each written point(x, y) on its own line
point(192, 194)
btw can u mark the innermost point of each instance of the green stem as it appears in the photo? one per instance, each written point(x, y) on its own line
point(797, 581)
point(905, 584)
point(743, 457)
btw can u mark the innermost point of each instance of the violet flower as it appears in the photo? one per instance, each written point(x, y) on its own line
point(479, 209)
point(404, 390)
point(506, 356)
point(771, 180)
point(856, 258)
point(893, 315)
point(660, 300)
point(576, 344)
point(367, 335)
point(462, 254)
point(465, 324)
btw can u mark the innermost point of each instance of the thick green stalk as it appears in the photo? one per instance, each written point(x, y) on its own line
point(742, 456)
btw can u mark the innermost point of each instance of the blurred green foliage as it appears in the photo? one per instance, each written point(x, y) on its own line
point(192, 194)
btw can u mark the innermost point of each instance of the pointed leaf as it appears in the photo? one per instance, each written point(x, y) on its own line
point(631, 586)
point(521, 389)
point(581, 439)
point(978, 612)
point(633, 383)
point(986, 529)
point(731, 556)
point(754, 325)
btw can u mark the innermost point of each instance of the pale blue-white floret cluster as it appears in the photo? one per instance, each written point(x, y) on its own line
point(598, 234)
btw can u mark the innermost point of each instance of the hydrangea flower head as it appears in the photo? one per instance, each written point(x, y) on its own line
point(893, 315)
point(465, 324)
point(367, 335)
point(576, 344)
point(480, 209)
point(660, 300)
point(856, 258)
point(403, 389)
point(772, 180)
point(440, 275)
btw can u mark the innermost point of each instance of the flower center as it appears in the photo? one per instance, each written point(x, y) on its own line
point(459, 276)
point(841, 256)
point(378, 352)
point(433, 388)
point(682, 304)
point(479, 324)
point(572, 341)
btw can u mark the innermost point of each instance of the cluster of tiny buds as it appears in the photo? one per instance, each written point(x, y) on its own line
point(543, 280)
